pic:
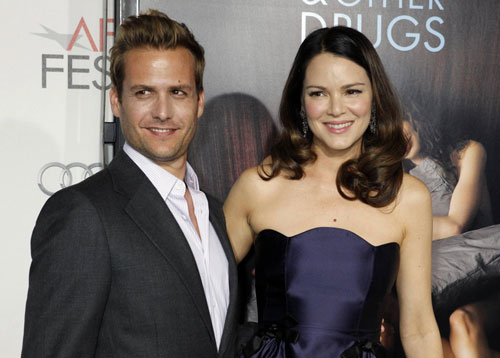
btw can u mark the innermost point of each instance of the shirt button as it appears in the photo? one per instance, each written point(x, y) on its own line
point(184, 217)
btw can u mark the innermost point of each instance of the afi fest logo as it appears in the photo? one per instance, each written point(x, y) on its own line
point(75, 66)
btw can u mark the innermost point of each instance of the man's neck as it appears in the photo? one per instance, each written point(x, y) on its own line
point(176, 168)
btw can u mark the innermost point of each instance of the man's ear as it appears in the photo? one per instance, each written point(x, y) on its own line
point(201, 103)
point(114, 100)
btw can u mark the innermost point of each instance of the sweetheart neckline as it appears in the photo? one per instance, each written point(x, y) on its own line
point(329, 228)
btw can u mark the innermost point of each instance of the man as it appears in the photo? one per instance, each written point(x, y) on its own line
point(135, 261)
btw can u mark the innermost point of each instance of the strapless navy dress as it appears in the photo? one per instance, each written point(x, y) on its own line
point(320, 294)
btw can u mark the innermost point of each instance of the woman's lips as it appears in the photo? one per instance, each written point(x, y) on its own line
point(338, 127)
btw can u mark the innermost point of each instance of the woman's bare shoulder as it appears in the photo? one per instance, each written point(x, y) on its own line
point(253, 180)
point(414, 208)
point(472, 148)
point(413, 194)
point(472, 156)
point(472, 145)
point(249, 179)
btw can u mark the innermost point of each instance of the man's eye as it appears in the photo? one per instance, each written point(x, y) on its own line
point(143, 92)
point(179, 92)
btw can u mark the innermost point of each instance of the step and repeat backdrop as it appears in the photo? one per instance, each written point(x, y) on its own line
point(52, 76)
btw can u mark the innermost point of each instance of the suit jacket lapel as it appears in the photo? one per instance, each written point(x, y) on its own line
point(149, 211)
point(219, 224)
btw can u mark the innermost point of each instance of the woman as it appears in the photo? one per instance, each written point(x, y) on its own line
point(332, 215)
point(455, 175)
point(465, 267)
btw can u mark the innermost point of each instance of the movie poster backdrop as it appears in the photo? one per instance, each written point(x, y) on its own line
point(443, 57)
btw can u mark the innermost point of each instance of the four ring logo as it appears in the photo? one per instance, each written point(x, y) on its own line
point(55, 173)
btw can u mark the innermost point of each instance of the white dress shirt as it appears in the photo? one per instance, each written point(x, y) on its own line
point(207, 250)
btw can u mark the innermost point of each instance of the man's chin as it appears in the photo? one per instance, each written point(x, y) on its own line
point(167, 157)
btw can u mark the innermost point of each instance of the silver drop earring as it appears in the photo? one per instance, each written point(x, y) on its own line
point(373, 121)
point(305, 126)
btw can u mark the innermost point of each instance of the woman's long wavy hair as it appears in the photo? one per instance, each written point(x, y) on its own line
point(433, 144)
point(376, 175)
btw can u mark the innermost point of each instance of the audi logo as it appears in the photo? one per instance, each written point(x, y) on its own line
point(55, 173)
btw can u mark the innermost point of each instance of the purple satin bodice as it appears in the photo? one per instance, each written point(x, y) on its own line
point(321, 292)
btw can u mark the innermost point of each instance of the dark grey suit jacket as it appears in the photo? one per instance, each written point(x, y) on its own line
point(113, 275)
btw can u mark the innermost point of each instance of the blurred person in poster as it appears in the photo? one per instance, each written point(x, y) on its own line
point(135, 260)
point(455, 176)
point(466, 247)
point(334, 220)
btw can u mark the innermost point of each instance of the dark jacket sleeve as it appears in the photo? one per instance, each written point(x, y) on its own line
point(69, 279)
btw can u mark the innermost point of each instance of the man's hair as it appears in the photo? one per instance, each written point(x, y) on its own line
point(154, 30)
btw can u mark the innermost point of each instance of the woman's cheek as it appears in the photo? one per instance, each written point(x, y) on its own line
point(360, 109)
point(315, 109)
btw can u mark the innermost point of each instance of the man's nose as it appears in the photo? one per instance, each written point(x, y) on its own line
point(162, 107)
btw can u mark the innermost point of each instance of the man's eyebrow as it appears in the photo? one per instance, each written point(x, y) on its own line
point(140, 87)
point(181, 86)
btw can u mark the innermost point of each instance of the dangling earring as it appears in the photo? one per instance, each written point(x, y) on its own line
point(305, 125)
point(373, 121)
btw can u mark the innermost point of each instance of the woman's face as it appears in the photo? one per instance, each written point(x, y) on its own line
point(413, 149)
point(337, 99)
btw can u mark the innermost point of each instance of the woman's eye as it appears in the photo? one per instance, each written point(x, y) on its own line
point(353, 91)
point(316, 94)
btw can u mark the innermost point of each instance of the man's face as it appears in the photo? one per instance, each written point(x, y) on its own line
point(159, 104)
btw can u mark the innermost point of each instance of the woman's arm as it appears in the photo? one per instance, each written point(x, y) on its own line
point(418, 328)
point(237, 209)
point(466, 197)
